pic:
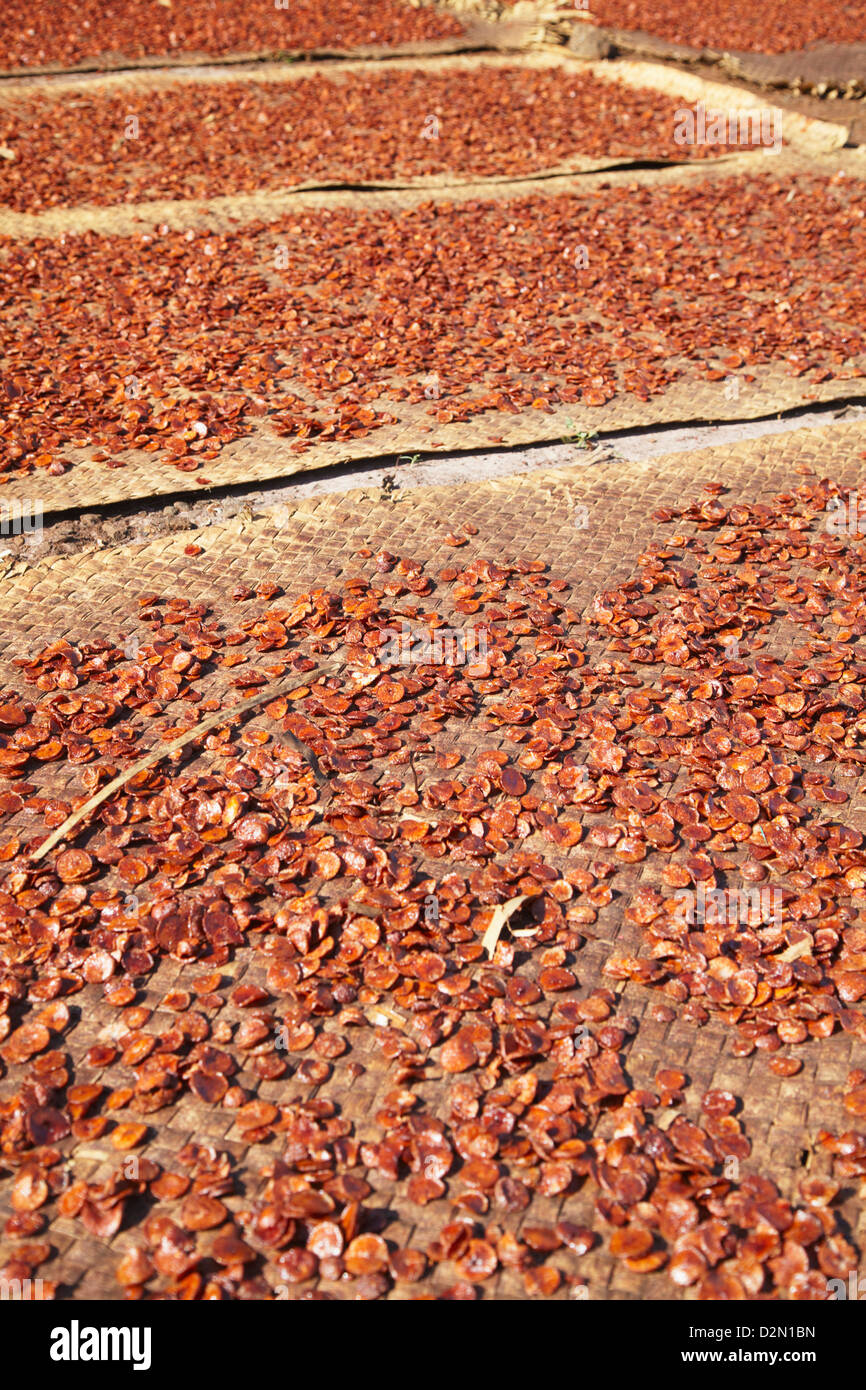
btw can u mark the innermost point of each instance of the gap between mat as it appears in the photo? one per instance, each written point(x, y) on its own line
point(141, 520)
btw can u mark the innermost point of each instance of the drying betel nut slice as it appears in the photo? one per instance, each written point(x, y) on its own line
point(366, 1255)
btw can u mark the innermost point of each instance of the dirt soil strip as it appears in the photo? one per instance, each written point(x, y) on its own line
point(527, 518)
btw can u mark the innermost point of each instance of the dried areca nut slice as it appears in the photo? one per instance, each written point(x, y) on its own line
point(542, 1282)
point(408, 1266)
point(101, 1221)
point(785, 1066)
point(297, 1266)
point(818, 1192)
point(542, 1238)
point(26, 1042)
point(169, 1186)
point(73, 865)
point(330, 1045)
point(312, 1072)
point(478, 1261)
point(29, 1190)
point(366, 1255)
point(686, 1267)
point(46, 1125)
point(246, 996)
point(719, 1102)
point(631, 1242)
point(229, 1249)
point(580, 1239)
point(128, 1136)
point(208, 1087)
point(370, 1287)
point(55, 1015)
point(199, 1212)
point(135, 1267)
point(23, 1223)
point(422, 1190)
point(458, 1054)
point(326, 1240)
point(648, 1264)
point(178, 1000)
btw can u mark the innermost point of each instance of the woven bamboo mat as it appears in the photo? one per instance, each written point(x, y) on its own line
point(528, 517)
point(800, 134)
point(531, 513)
point(509, 35)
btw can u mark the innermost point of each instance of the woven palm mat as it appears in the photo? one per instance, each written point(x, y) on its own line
point(49, 597)
point(801, 133)
point(526, 518)
point(508, 36)
point(214, 214)
point(261, 454)
point(803, 137)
